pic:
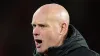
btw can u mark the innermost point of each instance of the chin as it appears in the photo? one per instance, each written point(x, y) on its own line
point(41, 51)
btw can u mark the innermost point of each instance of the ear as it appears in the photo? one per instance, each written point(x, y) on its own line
point(64, 28)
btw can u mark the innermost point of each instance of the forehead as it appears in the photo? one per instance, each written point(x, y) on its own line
point(44, 16)
point(40, 18)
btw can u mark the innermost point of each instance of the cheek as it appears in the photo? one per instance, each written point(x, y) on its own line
point(51, 37)
point(48, 36)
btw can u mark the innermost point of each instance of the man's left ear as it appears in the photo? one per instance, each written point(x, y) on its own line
point(64, 28)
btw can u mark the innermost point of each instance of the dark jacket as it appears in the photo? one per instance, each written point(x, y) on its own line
point(74, 45)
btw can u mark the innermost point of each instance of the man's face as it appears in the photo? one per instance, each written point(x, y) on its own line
point(46, 32)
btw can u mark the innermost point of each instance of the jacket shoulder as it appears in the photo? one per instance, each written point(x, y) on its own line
point(82, 51)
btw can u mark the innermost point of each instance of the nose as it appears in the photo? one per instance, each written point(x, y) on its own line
point(36, 31)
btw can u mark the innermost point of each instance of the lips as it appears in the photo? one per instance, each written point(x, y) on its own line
point(38, 43)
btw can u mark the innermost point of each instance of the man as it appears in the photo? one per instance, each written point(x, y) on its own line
point(55, 36)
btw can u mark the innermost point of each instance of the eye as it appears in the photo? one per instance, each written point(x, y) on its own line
point(34, 26)
point(41, 25)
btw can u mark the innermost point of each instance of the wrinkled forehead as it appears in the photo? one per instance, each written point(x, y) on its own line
point(40, 18)
point(44, 17)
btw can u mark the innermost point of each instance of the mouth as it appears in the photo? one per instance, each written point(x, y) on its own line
point(38, 43)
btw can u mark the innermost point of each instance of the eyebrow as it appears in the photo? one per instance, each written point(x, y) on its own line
point(39, 24)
